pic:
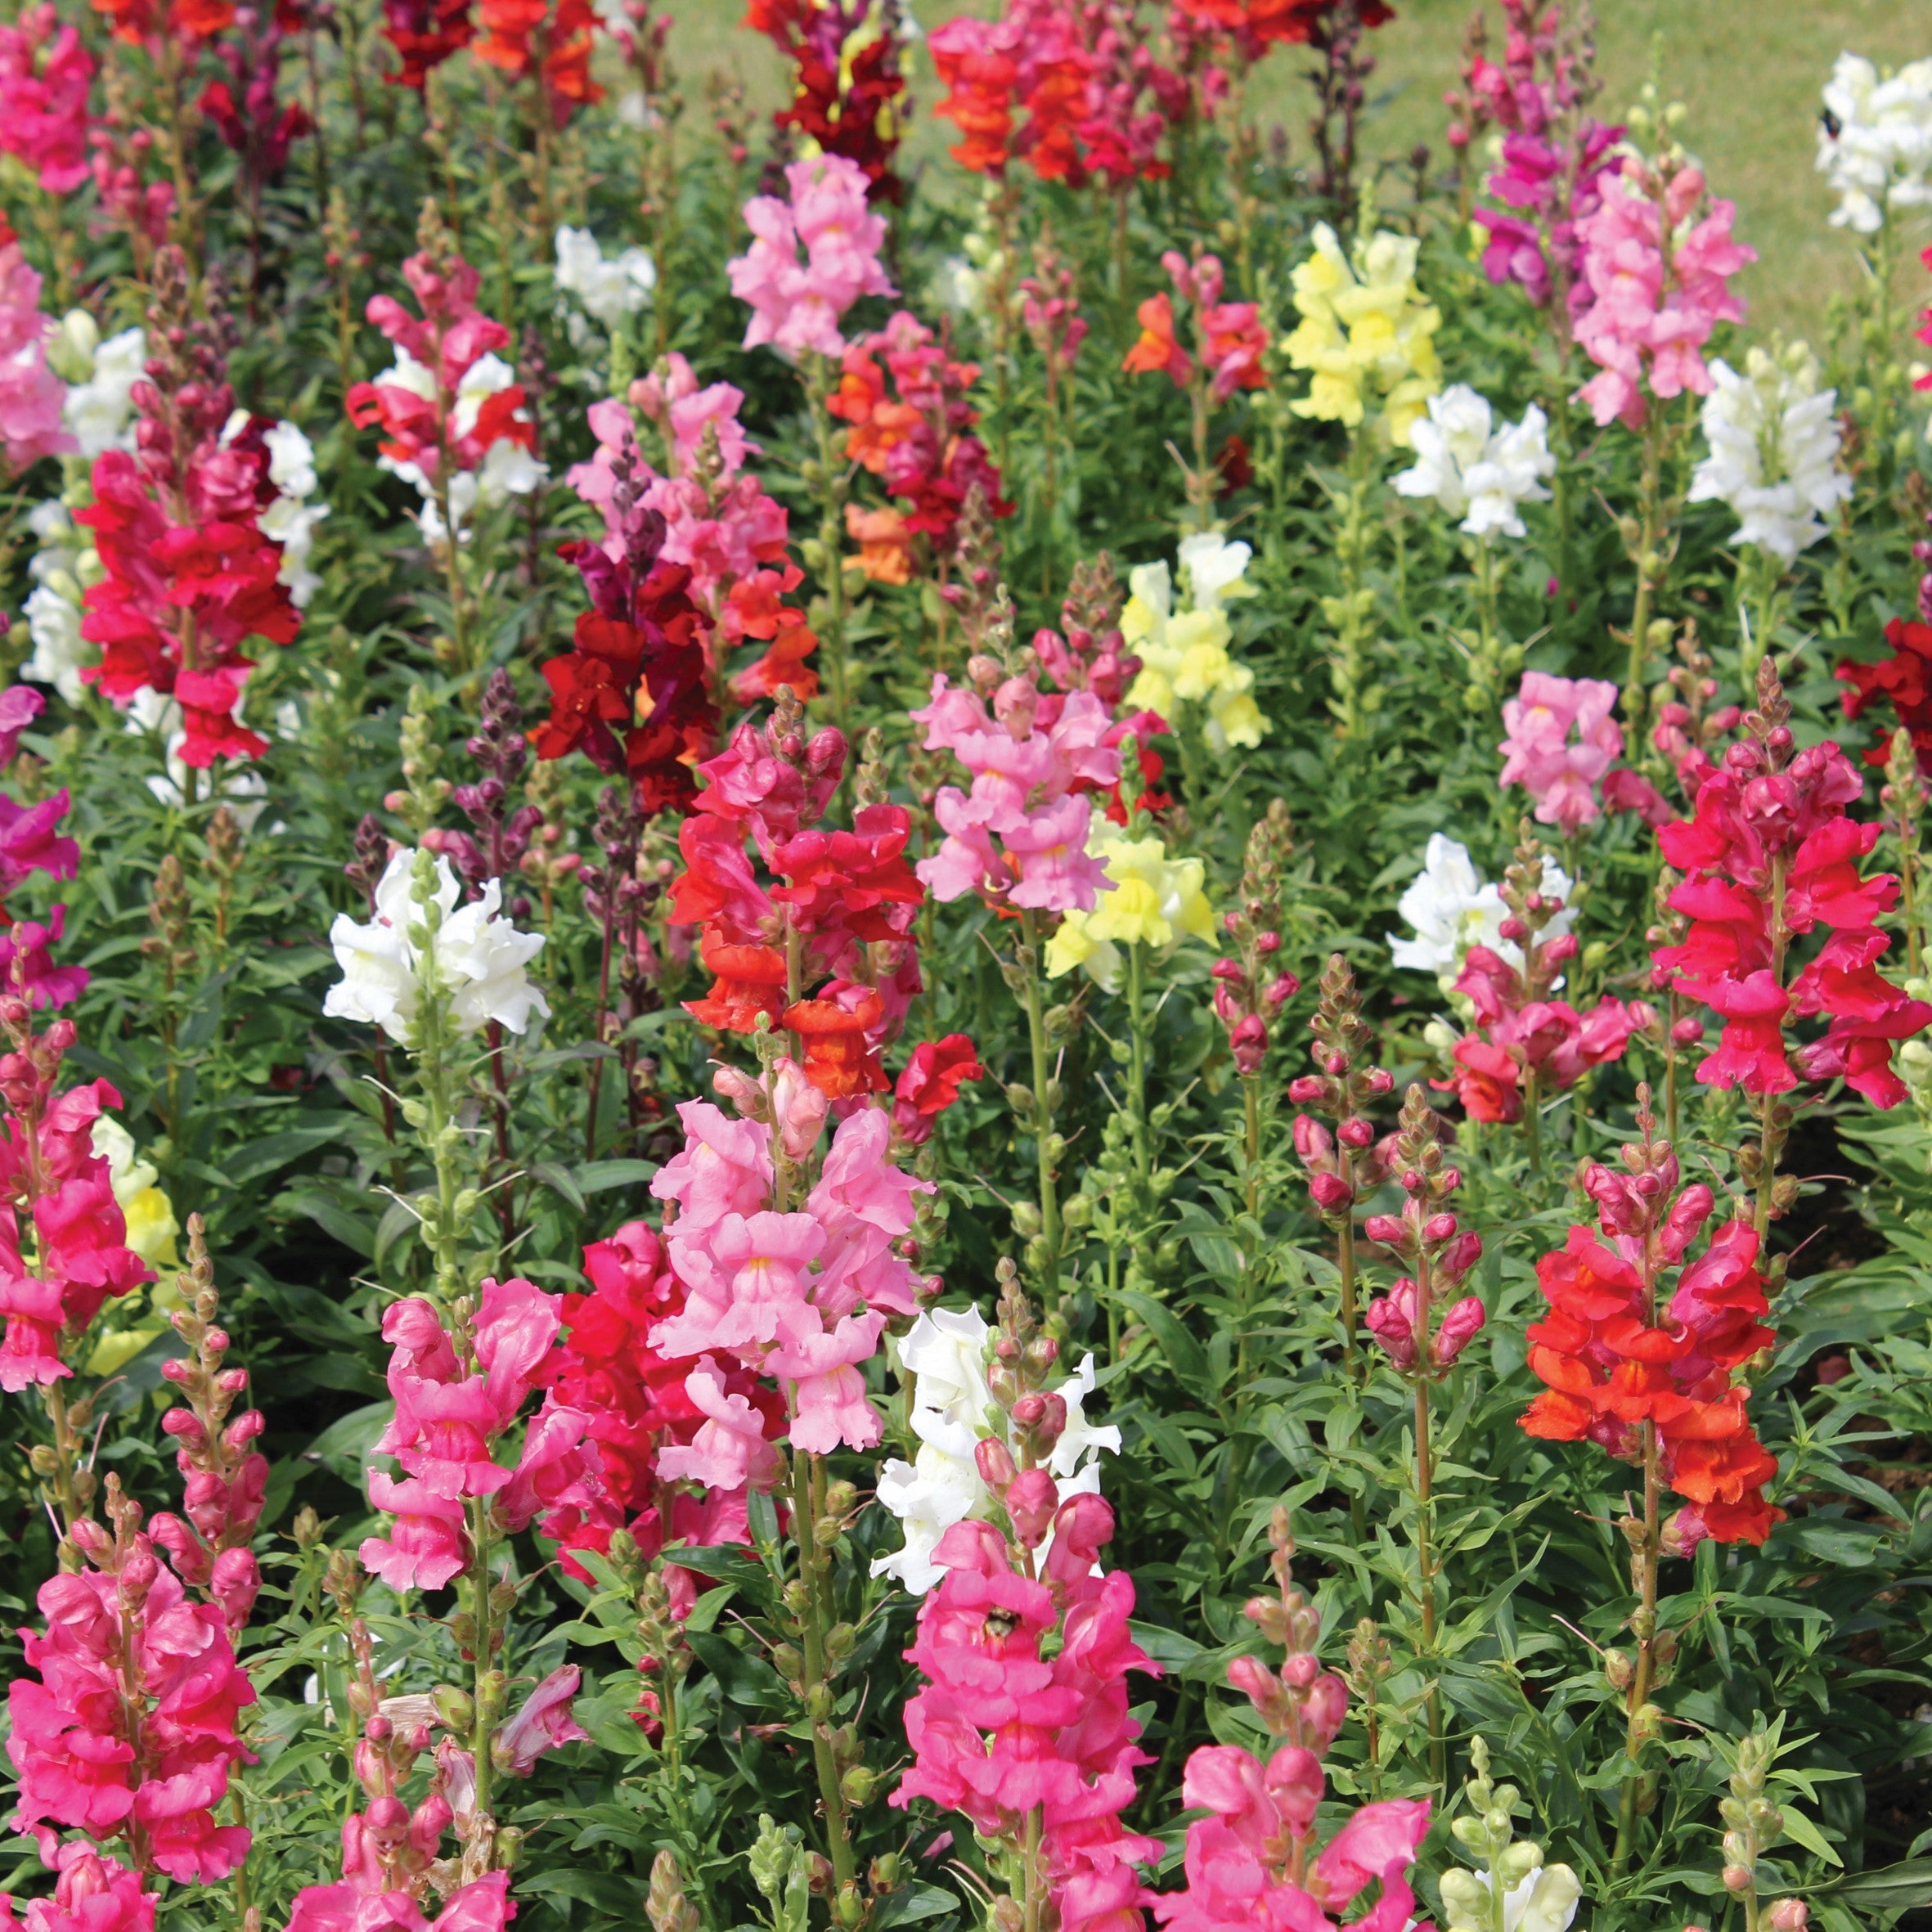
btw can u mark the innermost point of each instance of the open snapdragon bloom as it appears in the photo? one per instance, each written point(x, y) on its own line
point(1475, 468)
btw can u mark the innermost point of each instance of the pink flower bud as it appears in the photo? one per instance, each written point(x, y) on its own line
point(1386, 1228)
point(1458, 1325)
point(1312, 1141)
point(1439, 1228)
point(1392, 1320)
point(1330, 1193)
point(1266, 943)
point(236, 1582)
point(1560, 950)
point(1379, 1081)
point(1458, 1258)
point(1687, 1032)
point(1257, 1683)
point(1279, 991)
point(1307, 1090)
point(1295, 1782)
point(1031, 1499)
point(1228, 969)
point(1299, 1671)
point(1355, 1132)
point(1249, 1044)
point(1788, 1914)
point(1323, 1710)
point(995, 1464)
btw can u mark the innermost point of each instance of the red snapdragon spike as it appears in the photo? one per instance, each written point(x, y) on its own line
point(839, 1060)
point(514, 30)
point(846, 80)
point(1616, 1352)
point(1903, 680)
point(1259, 24)
point(979, 76)
point(751, 983)
point(930, 1083)
point(424, 34)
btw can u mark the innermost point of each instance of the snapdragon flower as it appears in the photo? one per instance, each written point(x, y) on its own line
point(1874, 141)
point(480, 959)
point(1452, 907)
point(1149, 900)
point(946, 1352)
point(1774, 440)
point(1183, 653)
point(609, 290)
point(1475, 468)
point(101, 376)
point(63, 563)
point(1367, 335)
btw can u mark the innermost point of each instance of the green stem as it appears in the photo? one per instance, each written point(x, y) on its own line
point(1137, 1120)
point(1043, 1113)
point(807, 1486)
point(1425, 1537)
point(1649, 560)
point(1250, 1103)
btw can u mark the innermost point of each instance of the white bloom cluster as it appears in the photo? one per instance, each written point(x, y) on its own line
point(507, 469)
point(1874, 142)
point(1452, 908)
point(480, 957)
point(1475, 468)
point(291, 518)
point(101, 378)
point(946, 1350)
point(1773, 456)
point(64, 564)
point(609, 291)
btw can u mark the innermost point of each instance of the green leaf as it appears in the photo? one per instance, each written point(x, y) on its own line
point(918, 1901)
point(1182, 1353)
point(600, 1177)
point(1800, 1828)
point(1893, 1888)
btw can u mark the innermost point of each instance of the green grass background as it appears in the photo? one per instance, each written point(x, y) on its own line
point(1749, 71)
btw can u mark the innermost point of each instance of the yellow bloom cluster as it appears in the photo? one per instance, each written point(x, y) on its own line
point(1183, 654)
point(151, 1229)
point(1366, 334)
point(1151, 899)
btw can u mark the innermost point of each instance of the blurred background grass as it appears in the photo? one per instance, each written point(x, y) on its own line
point(1749, 71)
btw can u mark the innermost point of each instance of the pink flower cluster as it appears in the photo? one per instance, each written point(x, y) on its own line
point(31, 395)
point(129, 1733)
point(1253, 1862)
point(1230, 339)
point(797, 305)
point(1561, 740)
point(389, 1849)
point(1000, 1732)
point(50, 1174)
point(1658, 288)
point(45, 74)
point(718, 521)
point(450, 1411)
point(1771, 856)
point(801, 1296)
point(91, 1894)
point(1522, 1034)
point(1033, 756)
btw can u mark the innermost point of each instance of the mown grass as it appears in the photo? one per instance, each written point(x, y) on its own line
point(1749, 71)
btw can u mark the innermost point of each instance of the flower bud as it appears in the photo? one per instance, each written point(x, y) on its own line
point(1033, 1498)
point(995, 1464)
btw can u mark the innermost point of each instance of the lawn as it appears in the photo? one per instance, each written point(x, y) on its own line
point(1748, 71)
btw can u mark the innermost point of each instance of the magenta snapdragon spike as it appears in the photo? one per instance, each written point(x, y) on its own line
point(129, 1733)
point(1256, 1859)
point(1345, 1167)
point(225, 1477)
point(1090, 653)
point(45, 74)
point(1038, 1750)
point(392, 1853)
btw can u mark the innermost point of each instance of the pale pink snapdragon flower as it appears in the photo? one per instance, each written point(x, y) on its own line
point(1658, 288)
point(797, 305)
point(1561, 739)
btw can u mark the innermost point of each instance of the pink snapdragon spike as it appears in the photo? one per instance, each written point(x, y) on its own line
point(52, 1176)
point(129, 1733)
point(797, 305)
point(780, 1294)
point(448, 1420)
point(1770, 855)
point(45, 74)
point(1344, 1166)
point(1038, 1751)
point(1255, 1861)
point(388, 1848)
point(1659, 288)
point(31, 395)
point(1561, 740)
point(93, 1894)
point(1034, 757)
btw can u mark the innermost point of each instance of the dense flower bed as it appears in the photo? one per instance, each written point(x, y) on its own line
point(1045, 1030)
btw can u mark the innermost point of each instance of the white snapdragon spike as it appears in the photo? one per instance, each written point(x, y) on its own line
point(1452, 907)
point(609, 290)
point(1544, 1900)
point(99, 406)
point(1474, 468)
point(481, 959)
point(1875, 145)
point(65, 563)
point(1214, 568)
point(1774, 439)
point(945, 1352)
point(290, 519)
point(242, 786)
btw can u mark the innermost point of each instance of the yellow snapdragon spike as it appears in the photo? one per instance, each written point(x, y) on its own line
point(152, 1227)
point(1072, 944)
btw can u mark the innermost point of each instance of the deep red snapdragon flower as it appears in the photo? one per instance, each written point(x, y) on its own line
point(847, 80)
